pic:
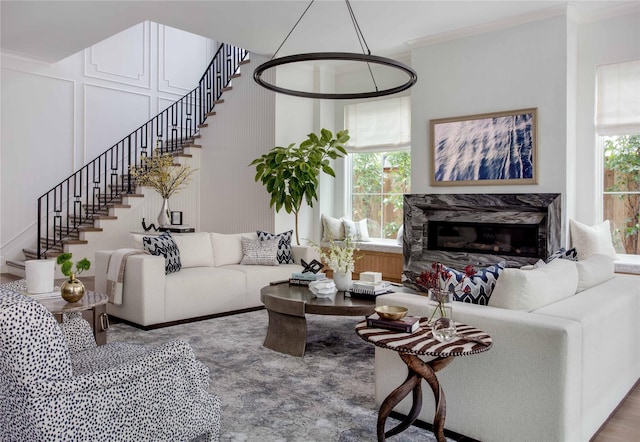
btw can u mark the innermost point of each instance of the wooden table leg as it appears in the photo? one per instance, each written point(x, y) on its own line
point(100, 324)
point(413, 383)
point(427, 370)
point(286, 333)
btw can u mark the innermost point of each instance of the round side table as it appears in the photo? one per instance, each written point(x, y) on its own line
point(409, 346)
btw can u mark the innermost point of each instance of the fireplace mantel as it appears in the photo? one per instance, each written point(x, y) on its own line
point(538, 214)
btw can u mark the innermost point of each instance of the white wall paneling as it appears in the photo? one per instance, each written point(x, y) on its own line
point(242, 130)
point(176, 49)
point(123, 58)
point(111, 114)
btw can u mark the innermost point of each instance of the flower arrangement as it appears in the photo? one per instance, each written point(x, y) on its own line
point(436, 282)
point(339, 256)
point(159, 173)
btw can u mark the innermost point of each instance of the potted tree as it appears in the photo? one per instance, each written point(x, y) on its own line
point(291, 173)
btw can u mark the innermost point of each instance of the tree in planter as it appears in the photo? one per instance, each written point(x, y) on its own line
point(622, 157)
point(291, 173)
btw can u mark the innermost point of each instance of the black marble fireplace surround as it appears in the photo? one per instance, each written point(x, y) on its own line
point(479, 229)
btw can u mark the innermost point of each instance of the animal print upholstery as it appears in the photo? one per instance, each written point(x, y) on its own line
point(54, 390)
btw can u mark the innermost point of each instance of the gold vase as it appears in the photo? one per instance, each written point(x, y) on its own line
point(72, 290)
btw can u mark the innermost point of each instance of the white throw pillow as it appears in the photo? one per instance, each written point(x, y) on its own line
point(594, 270)
point(227, 248)
point(589, 240)
point(357, 231)
point(529, 290)
point(332, 229)
point(195, 249)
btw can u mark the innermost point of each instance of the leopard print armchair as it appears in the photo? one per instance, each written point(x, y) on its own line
point(57, 385)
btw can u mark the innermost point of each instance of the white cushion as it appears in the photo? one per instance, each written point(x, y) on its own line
point(227, 248)
point(357, 231)
point(589, 240)
point(332, 229)
point(528, 290)
point(195, 249)
point(594, 270)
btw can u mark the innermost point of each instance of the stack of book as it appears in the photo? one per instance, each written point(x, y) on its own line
point(370, 288)
point(304, 278)
point(408, 324)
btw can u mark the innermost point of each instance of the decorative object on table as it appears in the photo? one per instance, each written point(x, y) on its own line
point(507, 157)
point(323, 288)
point(440, 290)
point(72, 290)
point(176, 218)
point(162, 175)
point(150, 227)
point(340, 258)
point(373, 277)
point(39, 275)
point(177, 229)
point(391, 312)
point(407, 324)
point(290, 174)
point(301, 278)
point(313, 267)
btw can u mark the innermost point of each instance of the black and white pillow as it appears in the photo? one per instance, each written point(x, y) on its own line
point(260, 251)
point(475, 289)
point(285, 256)
point(562, 253)
point(164, 245)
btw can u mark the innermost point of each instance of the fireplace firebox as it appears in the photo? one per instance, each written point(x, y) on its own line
point(471, 237)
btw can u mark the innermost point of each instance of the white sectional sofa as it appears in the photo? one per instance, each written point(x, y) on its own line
point(212, 281)
point(553, 374)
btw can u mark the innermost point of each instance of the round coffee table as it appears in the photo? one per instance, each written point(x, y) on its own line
point(287, 306)
point(468, 341)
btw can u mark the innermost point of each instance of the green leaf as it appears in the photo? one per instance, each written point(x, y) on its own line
point(66, 268)
point(63, 257)
point(329, 171)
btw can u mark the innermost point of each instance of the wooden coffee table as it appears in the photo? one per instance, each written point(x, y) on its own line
point(287, 306)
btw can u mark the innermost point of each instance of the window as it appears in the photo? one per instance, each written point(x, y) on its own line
point(618, 129)
point(378, 182)
point(380, 163)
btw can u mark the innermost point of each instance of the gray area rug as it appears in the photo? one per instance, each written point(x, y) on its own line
point(328, 395)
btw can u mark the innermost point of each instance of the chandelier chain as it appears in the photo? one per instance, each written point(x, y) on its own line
point(292, 29)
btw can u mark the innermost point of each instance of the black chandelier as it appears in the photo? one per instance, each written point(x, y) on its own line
point(365, 57)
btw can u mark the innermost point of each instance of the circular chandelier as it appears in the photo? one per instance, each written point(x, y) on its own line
point(365, 57)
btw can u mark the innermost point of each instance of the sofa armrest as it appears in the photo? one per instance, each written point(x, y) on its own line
point(304, 252)
point(143, 290)
point(530, 378)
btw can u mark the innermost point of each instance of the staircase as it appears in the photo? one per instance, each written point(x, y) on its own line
point(81, 207)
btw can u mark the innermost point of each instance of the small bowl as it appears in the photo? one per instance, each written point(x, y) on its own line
point(393, 312)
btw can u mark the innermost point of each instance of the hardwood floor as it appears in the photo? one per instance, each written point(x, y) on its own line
point(622, 426)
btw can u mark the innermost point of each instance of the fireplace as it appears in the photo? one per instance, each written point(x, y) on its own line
point(479, 229)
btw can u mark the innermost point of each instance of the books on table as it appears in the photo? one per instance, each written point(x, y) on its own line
point(370, 288)
point(304, 278)
point(408, 324)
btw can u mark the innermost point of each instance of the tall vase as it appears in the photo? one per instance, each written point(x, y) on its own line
point(342, 281)
point(164, 217)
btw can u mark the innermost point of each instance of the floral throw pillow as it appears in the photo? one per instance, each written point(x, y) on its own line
point(474, 289)
point(164, 245)
point(285, 256)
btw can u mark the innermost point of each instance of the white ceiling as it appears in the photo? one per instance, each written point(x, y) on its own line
point(53, 30)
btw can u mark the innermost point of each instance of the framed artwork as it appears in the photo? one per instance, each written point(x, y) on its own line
point(176, 218)
point(495, 148)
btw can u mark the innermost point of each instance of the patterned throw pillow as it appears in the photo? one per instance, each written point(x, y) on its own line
point(260, 251)
point(164, 245)
point(285, 256)
point(480, 284)
point(562, 253)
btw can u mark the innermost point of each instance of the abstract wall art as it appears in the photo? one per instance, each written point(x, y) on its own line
point(485, 149)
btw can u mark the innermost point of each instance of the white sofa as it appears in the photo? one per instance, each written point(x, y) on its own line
point(553, 374)
point(212, 281)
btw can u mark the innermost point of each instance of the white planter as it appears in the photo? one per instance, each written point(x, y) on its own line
point(342, 281)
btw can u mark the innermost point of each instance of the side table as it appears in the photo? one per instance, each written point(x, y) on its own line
point(94, 302)
point(409, 346)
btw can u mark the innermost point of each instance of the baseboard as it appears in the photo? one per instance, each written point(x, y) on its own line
point(115, 319)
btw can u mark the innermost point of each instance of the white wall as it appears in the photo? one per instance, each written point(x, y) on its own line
point(605, 41)
point(242, 130)
point(55, 118)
